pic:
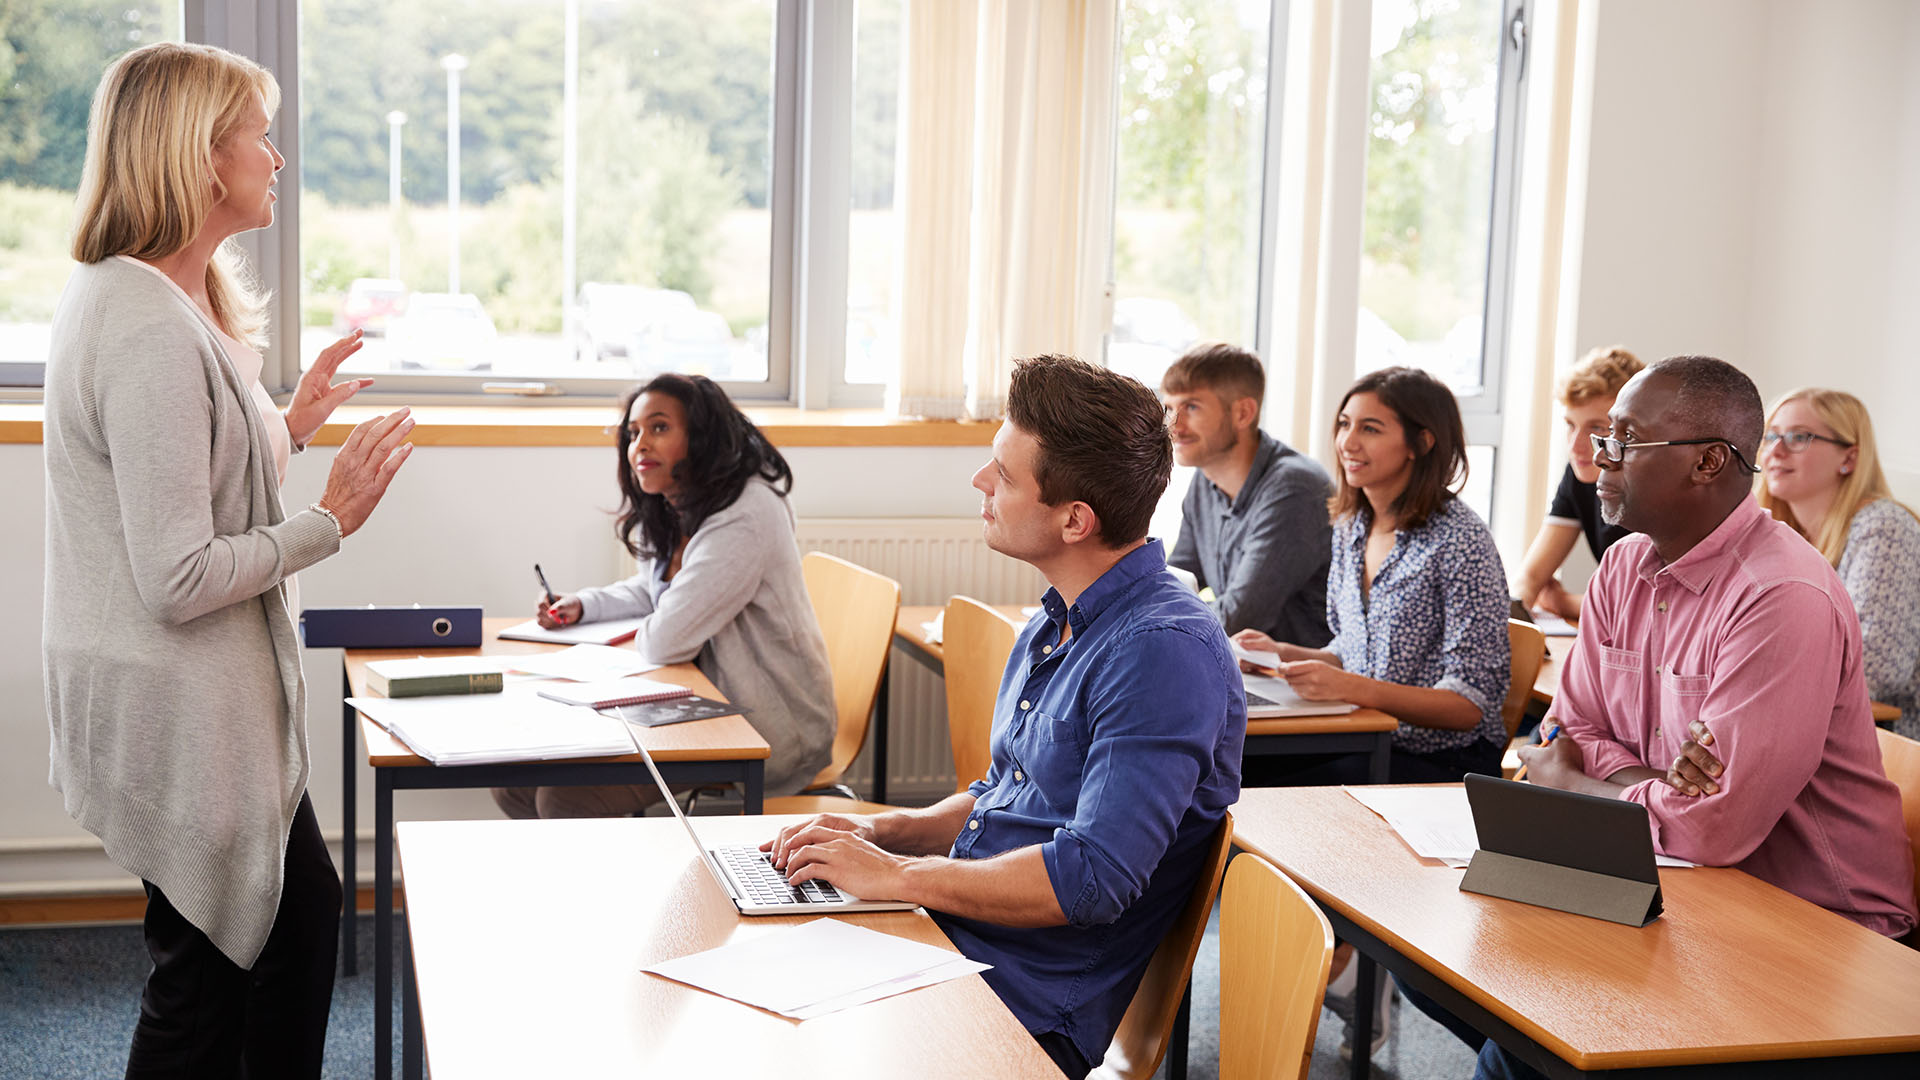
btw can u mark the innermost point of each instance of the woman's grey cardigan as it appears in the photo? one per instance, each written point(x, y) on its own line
point(172, 671)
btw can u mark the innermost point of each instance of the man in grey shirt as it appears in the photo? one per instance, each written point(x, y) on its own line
point(1254, 525)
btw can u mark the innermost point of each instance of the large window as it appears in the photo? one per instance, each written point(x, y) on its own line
point(603, 212)
point(51, 55)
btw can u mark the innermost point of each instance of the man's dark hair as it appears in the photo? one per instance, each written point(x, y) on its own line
point(724, 451)
point(1422, 403)
point(1103, 441)
point(1717, 400)
point(1227, 370)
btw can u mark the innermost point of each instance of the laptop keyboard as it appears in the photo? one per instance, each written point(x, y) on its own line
point(760, 883)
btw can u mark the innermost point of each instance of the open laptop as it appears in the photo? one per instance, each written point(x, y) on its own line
point(1270, 696)
point(754, 885)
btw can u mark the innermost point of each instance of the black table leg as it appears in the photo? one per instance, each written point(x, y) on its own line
point(1182, 1023)
point(349, 842)
point(881, 709)
point(410, 1041)
point(1380, 760)
point(756, 786)
point(382, 925)
point(1363, 991)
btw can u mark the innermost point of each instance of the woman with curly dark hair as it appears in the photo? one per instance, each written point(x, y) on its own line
point(703, 507)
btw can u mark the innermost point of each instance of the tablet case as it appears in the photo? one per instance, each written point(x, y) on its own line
point(373, 627)
point(1562, 850)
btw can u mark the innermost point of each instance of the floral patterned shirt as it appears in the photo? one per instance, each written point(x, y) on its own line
point(1881, 569)
point(1436, 616)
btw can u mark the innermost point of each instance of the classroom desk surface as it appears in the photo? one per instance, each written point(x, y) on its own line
point(909, 632)
point(1734, 971)
point(528, 938)
point(724, 749)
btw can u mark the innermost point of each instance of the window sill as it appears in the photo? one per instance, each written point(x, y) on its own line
point(480, 425)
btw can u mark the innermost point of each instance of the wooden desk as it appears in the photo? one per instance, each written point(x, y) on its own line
point(527, 940)
point(1547, 683)
point(1738, 978)
point(1368, 731)
point(723, 749)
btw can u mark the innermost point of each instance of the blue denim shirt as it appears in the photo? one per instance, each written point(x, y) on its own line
point(1117, 753)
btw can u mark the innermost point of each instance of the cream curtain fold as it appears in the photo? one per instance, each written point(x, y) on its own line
point(1006, 193)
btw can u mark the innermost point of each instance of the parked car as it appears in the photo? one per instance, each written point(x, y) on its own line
point(654, 330)
point(444, 331)
point(371, 304)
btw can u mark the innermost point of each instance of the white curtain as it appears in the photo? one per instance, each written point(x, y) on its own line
point(1006, 190)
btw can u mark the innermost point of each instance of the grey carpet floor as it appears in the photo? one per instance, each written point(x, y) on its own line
point(69, 997)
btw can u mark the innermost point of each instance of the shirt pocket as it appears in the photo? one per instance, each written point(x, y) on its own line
point(1049, 760)
point(1619, 659)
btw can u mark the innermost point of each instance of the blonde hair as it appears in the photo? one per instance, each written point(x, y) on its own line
point(1599, 374)
point(1847, 417)
point(149, 181)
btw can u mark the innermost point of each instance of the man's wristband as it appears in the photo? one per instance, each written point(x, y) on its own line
point(331, 516)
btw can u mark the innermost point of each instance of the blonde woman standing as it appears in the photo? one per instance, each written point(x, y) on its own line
point(1820, 473)
point(173, 685)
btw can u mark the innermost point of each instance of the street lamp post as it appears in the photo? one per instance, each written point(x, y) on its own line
point(395, 121)
point(455, 64)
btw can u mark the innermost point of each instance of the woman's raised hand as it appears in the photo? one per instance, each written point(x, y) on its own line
point(317, 395)
point(365, 465)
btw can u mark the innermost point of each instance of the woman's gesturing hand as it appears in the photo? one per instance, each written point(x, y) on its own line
point(317, 395)
point(365, 466)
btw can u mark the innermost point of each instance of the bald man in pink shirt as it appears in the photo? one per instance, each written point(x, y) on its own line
point(1719, 621)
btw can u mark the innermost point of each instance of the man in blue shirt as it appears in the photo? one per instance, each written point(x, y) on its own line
point(1116, 739)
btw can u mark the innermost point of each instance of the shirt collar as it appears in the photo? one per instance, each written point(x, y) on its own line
point(1697, 568)
point(1263, 459)
point(1148, 558)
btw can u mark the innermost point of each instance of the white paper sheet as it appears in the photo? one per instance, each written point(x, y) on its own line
point(515, 725)
point(816, 967)
point(606, 632)
point(1260, 658)
point(584, 663)
point(1553, 625)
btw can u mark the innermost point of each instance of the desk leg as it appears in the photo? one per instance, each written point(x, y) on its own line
point(349, 842)
point(410, 1041)
point(756, 788)
point(1182, 1024)
point(382, 925)
point(881, 709)
point(1380, 759)
point(1363, 992)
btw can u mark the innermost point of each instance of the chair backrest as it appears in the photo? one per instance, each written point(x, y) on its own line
point(1529, 649)
point(856, 609)
point(976, 640)
point(1900, 756)
point(1146, 1028)
point(1275, 950)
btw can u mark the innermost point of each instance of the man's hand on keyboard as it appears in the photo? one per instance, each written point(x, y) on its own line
point(820, 827)
point(850, 863)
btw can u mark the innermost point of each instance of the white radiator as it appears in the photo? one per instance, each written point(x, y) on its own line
point(932, 559)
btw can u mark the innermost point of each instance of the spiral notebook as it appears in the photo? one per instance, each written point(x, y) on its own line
point(607, 693)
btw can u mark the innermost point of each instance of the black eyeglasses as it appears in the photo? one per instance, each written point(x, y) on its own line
point(1615, 449)
point(1796, 441)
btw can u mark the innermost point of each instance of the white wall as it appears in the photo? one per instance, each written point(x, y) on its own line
point(460, 525)
point(1753, 167)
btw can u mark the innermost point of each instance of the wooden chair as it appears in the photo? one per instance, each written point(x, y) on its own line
point(1156, 1019)
point(856, 609)
point(977, 641)
point(1900, 756)
point(1275, 951)
point(1529, 649)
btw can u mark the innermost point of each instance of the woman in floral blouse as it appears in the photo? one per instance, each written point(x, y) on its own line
point(1416, 597)
point(1819, 473)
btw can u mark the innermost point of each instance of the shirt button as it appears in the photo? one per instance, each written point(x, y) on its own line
point(1662, 605)
point(1018, 775)
point(1046, 648)
point(973, 823)
point(1656, 733)
point(1025, 704)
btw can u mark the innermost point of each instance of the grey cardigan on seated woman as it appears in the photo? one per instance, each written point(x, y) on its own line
point(738, 609)
point(173, 687)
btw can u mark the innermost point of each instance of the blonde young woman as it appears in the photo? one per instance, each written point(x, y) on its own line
point(174, 691)
point(1820, 473)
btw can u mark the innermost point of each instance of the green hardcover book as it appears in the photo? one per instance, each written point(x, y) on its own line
point(432, 675)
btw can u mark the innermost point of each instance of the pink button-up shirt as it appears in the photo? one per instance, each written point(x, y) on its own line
point(1752, 633)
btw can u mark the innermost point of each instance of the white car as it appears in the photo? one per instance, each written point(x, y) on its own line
point(443, 331)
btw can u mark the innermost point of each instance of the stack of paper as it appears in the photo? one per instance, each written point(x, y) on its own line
point(583, 663)
point(606, 632)
point(817, 968)
point(517, 725)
